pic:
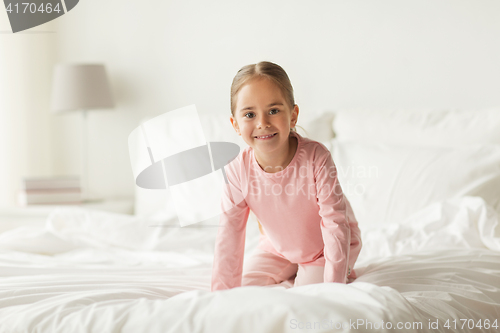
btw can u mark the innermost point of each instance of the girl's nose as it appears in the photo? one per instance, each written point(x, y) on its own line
point(263, 122)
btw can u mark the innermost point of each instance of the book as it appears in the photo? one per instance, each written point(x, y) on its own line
point(33, 197)
point(43, 183)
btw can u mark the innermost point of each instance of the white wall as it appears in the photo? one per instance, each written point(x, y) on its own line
point(163, 55)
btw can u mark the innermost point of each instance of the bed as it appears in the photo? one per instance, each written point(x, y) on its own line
point(424, 185)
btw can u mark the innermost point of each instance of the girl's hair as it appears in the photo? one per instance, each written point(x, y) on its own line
point(264, 69)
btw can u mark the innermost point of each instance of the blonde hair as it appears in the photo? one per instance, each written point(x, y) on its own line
point(265, 69)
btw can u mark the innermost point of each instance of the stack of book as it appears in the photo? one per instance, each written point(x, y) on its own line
point(52, 190)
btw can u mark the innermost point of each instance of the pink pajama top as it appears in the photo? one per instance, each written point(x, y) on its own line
point(305, 215)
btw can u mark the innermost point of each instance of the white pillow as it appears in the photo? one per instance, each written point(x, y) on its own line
point(419, 127)
point(317, 127)
point(387, 183)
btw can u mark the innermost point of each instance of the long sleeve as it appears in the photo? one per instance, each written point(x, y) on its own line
point(356, 243)
point(230, 242)
point(306, 217)
point(333, 209)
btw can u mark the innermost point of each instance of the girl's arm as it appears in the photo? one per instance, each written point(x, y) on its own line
point(230, 242)
point(334, 223)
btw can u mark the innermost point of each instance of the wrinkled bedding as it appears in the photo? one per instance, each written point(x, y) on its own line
point(89, 271)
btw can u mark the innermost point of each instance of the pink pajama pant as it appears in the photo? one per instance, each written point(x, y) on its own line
point(263, 268)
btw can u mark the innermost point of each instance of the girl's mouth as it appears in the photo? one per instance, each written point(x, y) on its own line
point(266, 137)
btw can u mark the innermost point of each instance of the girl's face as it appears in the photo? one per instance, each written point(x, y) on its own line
point(261, 110)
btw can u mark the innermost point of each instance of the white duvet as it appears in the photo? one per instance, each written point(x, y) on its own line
point(99, 272)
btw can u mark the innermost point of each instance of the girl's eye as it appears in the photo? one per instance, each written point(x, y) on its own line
point(251, 114)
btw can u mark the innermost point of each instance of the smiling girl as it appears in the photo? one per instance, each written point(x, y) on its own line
point(309, 233)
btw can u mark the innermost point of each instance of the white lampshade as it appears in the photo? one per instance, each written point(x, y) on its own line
point(80, 87)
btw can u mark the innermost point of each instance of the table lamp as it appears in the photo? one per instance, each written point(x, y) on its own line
point(81, 87)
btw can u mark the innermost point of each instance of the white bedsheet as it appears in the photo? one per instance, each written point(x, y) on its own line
point(98, 272)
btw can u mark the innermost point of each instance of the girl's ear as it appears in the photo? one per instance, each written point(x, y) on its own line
point(235, 125)
point(295, 116)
